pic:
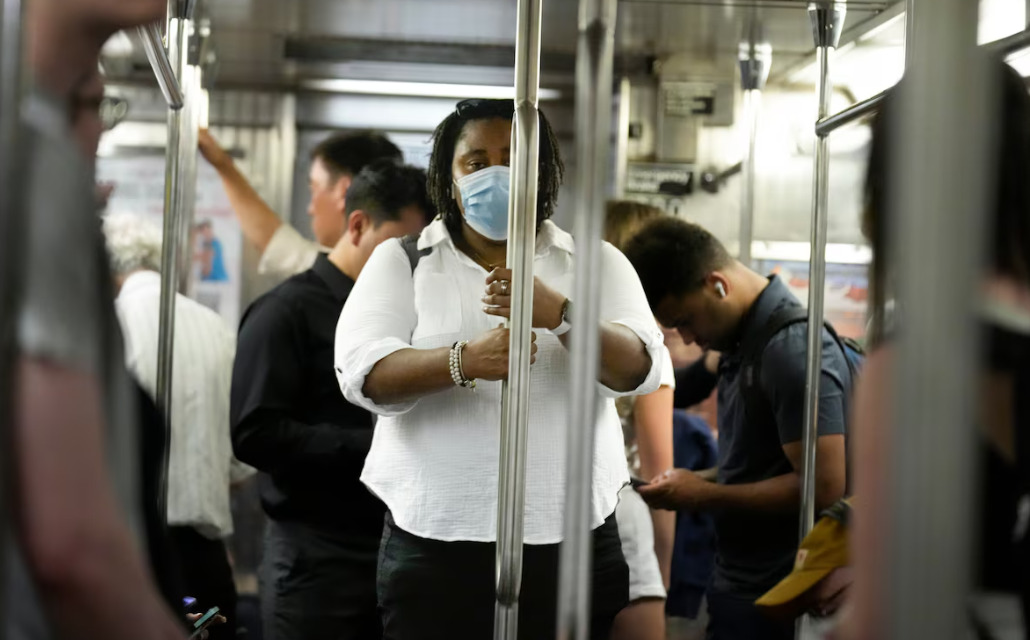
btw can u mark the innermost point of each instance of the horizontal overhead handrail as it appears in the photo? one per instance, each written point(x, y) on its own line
point(159, 62)
point(826, 126)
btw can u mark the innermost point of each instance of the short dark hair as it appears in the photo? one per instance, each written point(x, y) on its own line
point(1010, 235)
point(445, 139)
point(349, 153)
point(383, 189)
point(673, 257)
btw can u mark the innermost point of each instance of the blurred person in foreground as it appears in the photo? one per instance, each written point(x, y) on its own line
point(1002, 556)
point(75, 565)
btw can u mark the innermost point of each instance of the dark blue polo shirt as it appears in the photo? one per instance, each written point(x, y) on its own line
point(756, 550)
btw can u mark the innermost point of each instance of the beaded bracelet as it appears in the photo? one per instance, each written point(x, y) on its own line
point(457, 371)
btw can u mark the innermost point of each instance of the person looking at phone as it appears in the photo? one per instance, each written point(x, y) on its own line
point(334, 164)
point(696, 287)
point(420, 344)
point(290, 421)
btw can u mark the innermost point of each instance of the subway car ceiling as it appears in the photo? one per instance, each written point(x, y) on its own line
point(399, 66)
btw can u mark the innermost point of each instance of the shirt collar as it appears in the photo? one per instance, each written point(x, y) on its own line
point(550, 236)
point(140, 281)
point(338, 282)
point(763, 307)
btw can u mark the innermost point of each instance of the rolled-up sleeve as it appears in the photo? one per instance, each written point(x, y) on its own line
point(288, 253)
point(623, 302)
point(377, 320)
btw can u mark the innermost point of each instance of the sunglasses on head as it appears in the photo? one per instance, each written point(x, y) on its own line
point(482, 107)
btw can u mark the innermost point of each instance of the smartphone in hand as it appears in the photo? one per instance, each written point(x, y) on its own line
point(636, 483)
point(204, 622)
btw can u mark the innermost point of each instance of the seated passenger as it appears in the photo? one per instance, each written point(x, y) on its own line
point(201, 466)
point(290, 421)
point(695, 287)
point(334, 163)
point(419, 343)
point(1002, 557)
point(647, 535)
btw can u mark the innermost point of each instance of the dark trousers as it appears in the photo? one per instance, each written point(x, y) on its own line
point(207, 576)
point(733, 617)
point(317, 584)
point(430, 589)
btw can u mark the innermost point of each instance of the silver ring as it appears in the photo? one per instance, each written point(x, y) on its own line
point(504, 287)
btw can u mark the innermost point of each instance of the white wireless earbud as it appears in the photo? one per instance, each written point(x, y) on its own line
point(720, 289)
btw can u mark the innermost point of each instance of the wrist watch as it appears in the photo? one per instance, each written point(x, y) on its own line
point(566, 314)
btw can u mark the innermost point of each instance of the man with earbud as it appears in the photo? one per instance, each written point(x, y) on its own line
point(694, 286)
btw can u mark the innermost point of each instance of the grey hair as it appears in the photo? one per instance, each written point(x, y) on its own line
point(133, 243)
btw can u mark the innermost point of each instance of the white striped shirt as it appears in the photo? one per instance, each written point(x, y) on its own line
point(201, 464)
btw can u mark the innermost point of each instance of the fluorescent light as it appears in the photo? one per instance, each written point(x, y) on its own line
point(1020, 61)
point(419, 89)
point(1000, 19)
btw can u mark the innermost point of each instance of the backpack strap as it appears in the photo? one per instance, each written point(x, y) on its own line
point(410, 246)
point(756, 404)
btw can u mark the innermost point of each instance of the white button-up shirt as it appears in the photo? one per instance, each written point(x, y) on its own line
point(434, 461)
point(201, 464)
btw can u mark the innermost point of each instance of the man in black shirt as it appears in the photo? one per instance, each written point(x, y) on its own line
point(291, 422)
point(694, 286)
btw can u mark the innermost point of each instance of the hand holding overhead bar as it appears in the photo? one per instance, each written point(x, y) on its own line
point(151, 37)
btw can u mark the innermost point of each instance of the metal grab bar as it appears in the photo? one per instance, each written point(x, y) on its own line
point(12, 246)
point(827, 24)
point(594, 61)
point(159, 62)
point(827, 125)
point(511, 481)
point(755, 60)
point(175, 207)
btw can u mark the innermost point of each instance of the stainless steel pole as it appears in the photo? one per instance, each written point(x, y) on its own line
point(150, 35)
point(511, 481)
point(175, 210)
point(622, 137)
point(594, 61)
point(941, 217)
point(755, 60)
point(12, 242)
point(827, 23)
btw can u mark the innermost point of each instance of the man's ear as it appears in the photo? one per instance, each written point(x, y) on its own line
point(719, 284)
point(357, 224)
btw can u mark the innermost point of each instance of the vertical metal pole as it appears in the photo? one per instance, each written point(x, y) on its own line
point(755, 61)
point(827, 24)
point(12, 241)
point(594, 61)
point(511, 481)
point(176, 171)
point(941, 216)
point(622, 137)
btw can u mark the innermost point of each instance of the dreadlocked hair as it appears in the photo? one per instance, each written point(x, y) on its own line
point(440, 179)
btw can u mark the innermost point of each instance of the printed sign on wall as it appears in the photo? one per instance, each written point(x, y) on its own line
point(216, 237)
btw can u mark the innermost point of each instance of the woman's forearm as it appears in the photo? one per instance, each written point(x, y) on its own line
point(407, 375)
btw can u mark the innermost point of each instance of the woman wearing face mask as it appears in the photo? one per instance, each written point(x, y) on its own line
point(420, 344)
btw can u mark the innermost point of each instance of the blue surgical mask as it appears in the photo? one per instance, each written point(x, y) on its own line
point(484, 195)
